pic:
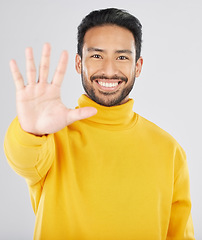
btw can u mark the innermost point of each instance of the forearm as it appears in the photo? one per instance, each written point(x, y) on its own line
point(181, 225)
point(29, 156)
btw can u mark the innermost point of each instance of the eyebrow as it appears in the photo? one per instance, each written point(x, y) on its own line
point(92, 49)
point(124, 51)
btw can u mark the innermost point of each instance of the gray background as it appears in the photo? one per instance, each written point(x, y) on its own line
point(168, 92)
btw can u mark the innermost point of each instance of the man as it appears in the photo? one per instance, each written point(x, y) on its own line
point(99, 171)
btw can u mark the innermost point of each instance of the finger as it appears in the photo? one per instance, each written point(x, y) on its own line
point(80, 113)
point(45, 63)
point(61, 69)
point(17, 77)
point(30, 66)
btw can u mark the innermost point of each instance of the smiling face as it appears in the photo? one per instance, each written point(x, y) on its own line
point(108, 67)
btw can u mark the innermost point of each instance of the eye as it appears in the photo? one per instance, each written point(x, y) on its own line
point(122, 58)
point(96, 56)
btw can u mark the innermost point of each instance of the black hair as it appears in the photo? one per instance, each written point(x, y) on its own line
point(110, 16)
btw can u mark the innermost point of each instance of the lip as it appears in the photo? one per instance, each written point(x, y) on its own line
point(109, 82)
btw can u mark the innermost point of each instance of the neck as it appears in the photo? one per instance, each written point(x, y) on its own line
point(115, 117)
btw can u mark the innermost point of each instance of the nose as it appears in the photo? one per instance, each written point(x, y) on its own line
point(109, 67)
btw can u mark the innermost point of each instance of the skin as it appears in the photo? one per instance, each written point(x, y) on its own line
point(108, 56)
point(39, 107)
point(108, 52)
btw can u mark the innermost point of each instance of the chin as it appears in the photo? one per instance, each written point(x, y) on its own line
point(108, 100)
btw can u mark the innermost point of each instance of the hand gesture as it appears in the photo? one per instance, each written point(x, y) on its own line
point(39, 107)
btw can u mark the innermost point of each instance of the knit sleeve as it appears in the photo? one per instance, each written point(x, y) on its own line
point(181, 226)
point(30, 156)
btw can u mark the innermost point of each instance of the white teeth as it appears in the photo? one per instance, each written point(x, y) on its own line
point(105, 84)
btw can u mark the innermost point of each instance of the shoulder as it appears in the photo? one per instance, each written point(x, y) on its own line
point(161, 142)
point(155, 133)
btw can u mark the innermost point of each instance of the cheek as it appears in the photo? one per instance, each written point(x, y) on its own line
point(133, 73)
point(128, 71)
point(132, 70)
point(90, 68)
point(85, 69)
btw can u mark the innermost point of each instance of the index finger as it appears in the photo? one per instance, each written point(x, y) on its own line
point(61, 69)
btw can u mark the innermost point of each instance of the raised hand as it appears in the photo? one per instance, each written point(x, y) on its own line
point(39, 107)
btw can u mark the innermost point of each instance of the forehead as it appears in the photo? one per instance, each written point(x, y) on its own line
point(109, 36)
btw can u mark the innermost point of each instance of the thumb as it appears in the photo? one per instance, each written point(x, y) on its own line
point(80, 113)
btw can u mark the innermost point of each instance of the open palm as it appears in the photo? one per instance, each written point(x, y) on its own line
point(39, 107)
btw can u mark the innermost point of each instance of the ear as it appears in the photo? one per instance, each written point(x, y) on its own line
point(78, 63)
point(138, 67)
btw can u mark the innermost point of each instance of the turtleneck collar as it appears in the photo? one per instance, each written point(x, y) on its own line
point(115, 117)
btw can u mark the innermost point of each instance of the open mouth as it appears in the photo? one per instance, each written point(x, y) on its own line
point(108, 84)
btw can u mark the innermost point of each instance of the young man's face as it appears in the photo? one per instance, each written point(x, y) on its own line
point(108, 67)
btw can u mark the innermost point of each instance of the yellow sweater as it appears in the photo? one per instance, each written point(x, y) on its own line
point(114, 176)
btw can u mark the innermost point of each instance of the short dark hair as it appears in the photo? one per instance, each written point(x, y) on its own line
point(110, 16)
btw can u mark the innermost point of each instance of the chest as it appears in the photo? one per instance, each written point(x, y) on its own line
point(111, 185)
